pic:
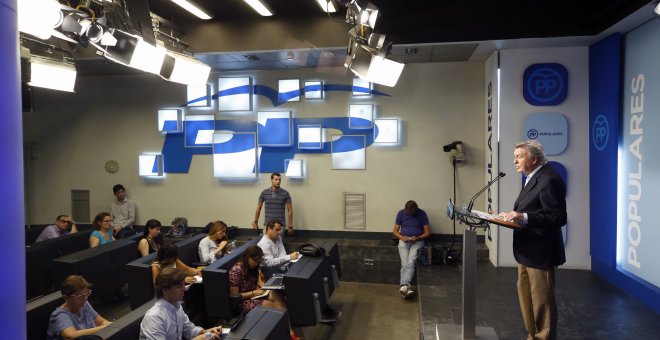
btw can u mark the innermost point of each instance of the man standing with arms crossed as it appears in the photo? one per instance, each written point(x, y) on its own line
point(276, 200)
point(538, 246)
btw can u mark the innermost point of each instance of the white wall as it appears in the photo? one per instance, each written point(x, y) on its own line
point(114, 118)
point(514, 109)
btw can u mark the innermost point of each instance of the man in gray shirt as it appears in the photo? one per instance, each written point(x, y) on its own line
point(276, 200)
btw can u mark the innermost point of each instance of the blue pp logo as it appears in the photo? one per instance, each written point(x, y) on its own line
point(600, 132)
point(532, 134)
point(545, 84)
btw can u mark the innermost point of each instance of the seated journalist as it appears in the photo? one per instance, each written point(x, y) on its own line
point(166, 319)
point(76, 317)
point(59, 229)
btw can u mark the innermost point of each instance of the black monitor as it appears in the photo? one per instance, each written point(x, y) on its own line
point(305, 292)
point(261, 323)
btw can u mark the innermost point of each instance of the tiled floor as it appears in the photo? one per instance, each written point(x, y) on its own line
point(589, 307)
point(370, 311)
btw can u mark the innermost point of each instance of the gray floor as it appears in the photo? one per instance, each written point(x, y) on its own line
point(589, 307)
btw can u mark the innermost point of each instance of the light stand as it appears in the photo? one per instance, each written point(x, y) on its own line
point(455, 150)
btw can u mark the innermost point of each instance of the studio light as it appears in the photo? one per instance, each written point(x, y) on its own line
point(260, 7)
point(373, 67)
point(327, 6)
point(361, 12)
point(50, 74)
point(39, 17)
point(657, 9)
point(184, 70)
point(192, 8)
point(133, 51)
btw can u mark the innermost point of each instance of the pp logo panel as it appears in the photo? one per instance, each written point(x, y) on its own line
point(348, 152)
point(274, 128)
point(550, 129)
point(545, 84)
point(234, 94)
point(289, 90)
point(169, 120)
point(310, 137)
point(361, 116)
point(386, 131)
point(234, 155)
point(150, 165)
point(199, 130)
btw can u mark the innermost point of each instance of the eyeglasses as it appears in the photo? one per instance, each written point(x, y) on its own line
point(67, 222)
point(83, 295)
point(106, 221)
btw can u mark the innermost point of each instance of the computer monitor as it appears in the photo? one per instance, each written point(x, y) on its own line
point(305, 293)
point(261, 323)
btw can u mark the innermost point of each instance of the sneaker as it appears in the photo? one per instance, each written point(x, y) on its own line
point(403, 290)
point(409, 293)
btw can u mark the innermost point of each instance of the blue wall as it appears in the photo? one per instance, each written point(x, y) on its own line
point(605, 69)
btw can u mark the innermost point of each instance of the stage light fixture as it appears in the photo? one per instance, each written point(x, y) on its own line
point(260, 7)
point(373, 67)
point(131, 50)
point(184, 70)
point(39, 17)
point(360, 12)
point(657, 8)
point(51, 74)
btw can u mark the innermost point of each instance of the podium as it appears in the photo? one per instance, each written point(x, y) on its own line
point(468, 330)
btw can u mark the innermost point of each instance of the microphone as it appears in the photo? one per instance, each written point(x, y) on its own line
point(500, 175)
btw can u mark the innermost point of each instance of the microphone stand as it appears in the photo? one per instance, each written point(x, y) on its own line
point(469, 207)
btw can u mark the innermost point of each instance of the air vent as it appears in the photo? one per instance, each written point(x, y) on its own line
point(355, 211)
point(80, 205)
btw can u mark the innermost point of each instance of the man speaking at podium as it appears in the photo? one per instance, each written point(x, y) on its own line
point(538, 245)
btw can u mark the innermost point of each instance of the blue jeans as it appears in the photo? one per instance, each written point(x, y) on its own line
point(408, 255)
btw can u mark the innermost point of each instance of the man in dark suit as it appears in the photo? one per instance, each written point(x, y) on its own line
point(538, 245)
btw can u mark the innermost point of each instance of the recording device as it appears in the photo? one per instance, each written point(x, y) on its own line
point(500, 175)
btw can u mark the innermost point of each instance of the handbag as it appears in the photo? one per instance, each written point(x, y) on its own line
point(309, 249)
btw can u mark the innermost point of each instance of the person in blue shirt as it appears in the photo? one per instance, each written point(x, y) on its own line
point(76, 317)
point(411, 228)
point(166, 319)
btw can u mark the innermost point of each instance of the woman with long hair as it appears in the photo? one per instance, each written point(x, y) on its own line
point(151, 240)
point(103, 233)
point(168, 256)
point(214, 245)
point(245, 279)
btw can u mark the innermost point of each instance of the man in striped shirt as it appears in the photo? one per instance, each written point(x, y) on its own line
point(276, 200)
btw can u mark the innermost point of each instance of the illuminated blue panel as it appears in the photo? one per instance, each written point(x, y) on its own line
point(348, 152)
point(234, 155)
point(274, 128)
point(361, 116)
point(199, 96)
point(289, 90)
point(314, 90)
point(150, 165)
point(309, 137)
point(198, 130)
point(169, 120)
point(294, 168)
point(386, 131)
point(234, 94)
point(361, 88)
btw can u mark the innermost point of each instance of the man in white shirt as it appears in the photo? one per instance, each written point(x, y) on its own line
point(166, 319)
point(122, 210)
point(275, 259)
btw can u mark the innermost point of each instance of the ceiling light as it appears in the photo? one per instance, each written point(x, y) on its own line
point(260, 7)
point(327, 6)
point(133, 51)
point(50, 74)
point(192, 8)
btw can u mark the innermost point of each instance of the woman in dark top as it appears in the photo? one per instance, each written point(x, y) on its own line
point(246, 279)
point(168, 256)
point(151, 240)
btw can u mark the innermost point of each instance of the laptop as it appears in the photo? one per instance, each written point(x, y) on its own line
point(276, 282)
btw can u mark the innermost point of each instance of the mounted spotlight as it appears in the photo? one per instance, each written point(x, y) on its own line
point(456, 151)
point(373, 67)
point(56, 74)
point(657, 8)
point(39, 23)
point(131, 50)
point(183, 69)
point(362, 12)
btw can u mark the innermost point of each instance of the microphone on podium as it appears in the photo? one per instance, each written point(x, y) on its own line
point(500, 175)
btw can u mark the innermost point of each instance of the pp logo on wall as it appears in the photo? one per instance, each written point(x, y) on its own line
point(600, 132)
point(549, 128)
point(545, 84)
